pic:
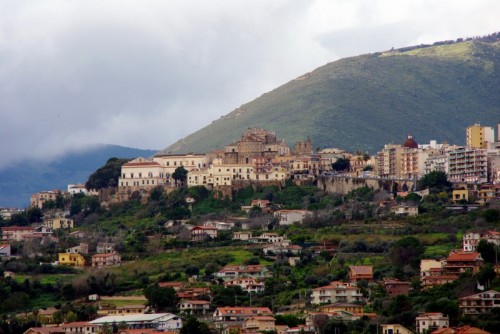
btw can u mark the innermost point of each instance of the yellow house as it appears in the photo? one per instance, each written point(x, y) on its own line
point(69, 259)
point(58, 223)
point(460, 194)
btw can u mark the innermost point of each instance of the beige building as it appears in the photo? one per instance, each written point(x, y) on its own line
point(38, 199)
point(477, 136)
point(106, 260)
point(257, 324)
point(58, 223)
point(221, 174)
point(191, 161)
point(394, 329)
point(255, 143)
point(16, 233)
point(389, 161)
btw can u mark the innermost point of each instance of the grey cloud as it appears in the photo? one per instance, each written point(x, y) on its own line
point(146, 73)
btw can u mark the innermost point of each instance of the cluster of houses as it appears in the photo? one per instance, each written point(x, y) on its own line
point(258, 156)
point(343, 301)
point(438, 272)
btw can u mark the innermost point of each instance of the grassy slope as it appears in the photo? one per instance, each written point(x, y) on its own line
point(366, 101)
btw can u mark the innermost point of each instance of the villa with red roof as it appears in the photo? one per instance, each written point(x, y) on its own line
point(233, 272)
point(459, 262)
point(106, 260)
point(239, 313)
point(83, 327)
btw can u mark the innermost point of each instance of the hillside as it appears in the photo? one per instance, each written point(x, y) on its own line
point(21, 180)
point(364, 102)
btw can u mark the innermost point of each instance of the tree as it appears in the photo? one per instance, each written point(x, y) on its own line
point(341, 165)
point(194, 326)
point(436, 181)
point(34, 215)
point(180, 175)
point(407, 250)
point(192, 270)
point(107, 175)
point(161, 299)
point(487, 250)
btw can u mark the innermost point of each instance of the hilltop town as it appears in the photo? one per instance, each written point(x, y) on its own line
point(261, 237)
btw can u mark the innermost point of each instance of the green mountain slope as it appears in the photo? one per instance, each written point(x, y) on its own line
point(364, 102)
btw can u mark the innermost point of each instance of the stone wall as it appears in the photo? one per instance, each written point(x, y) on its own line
point(345, 184)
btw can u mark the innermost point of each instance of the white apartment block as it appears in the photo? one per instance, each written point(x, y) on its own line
point(470, 240)
point(467, 165)
point(336, 292)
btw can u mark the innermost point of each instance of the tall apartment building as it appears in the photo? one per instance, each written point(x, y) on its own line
point(467, 165)
point(388, 161)
point(477, 136)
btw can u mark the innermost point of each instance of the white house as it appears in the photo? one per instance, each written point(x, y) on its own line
point(470, 240)
point(336, 292)
point(288, 217)
point(428, 322)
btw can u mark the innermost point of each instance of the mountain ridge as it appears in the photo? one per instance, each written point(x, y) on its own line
point(363, 102)
point(20, 180)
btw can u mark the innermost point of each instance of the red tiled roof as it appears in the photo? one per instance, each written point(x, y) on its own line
point(362, 270)
point(141, 164)
point(48, 330)
point(17, 228)
point(78, 324)
point(170, 284)
point(244, 310)
point(459, 257)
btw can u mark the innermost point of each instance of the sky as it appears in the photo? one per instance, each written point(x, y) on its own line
point(146, 73)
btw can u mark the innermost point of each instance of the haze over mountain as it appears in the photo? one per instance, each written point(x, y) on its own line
point(361, 103)
point(19, 181)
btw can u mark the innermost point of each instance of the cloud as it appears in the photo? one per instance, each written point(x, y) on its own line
point(146, 73)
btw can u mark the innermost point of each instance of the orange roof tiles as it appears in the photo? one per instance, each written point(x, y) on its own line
point(461, 256)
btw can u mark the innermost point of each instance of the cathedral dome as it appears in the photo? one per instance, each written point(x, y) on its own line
point(410, 143)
